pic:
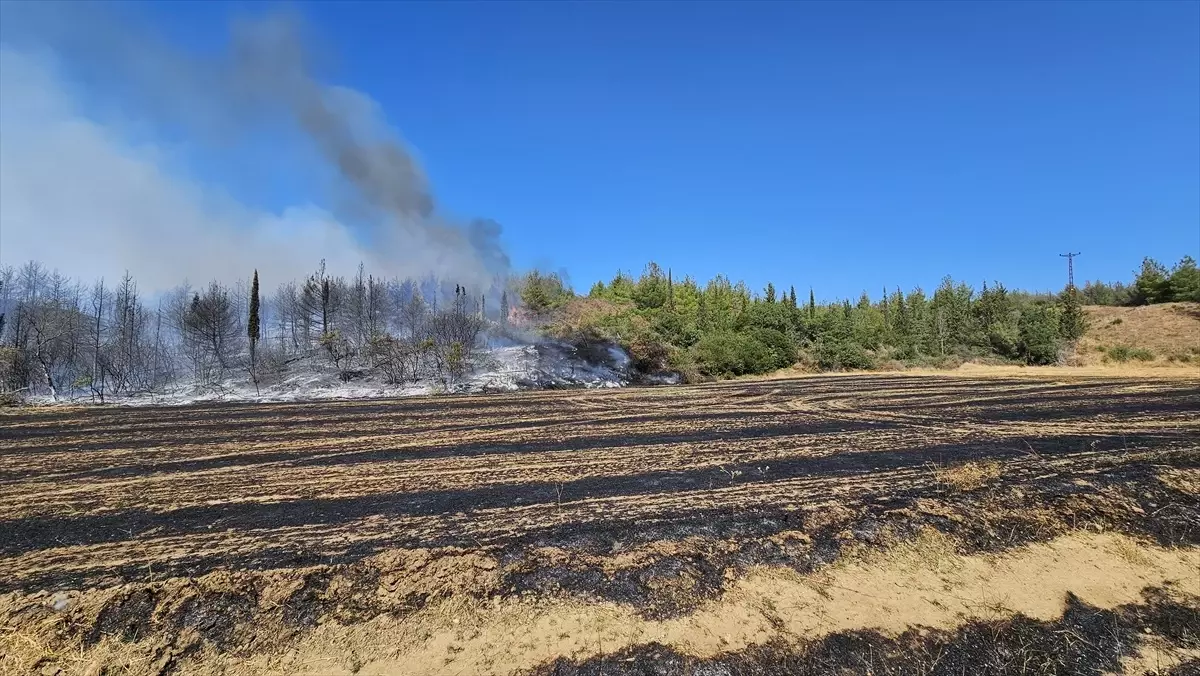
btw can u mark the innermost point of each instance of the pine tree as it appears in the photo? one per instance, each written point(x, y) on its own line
point(812, 304)
point(770, 292)
point(792, 297)
point(1184, 281)
point(1072, 322)
point(504, 308)
point(1152, 284)
point(883, 305)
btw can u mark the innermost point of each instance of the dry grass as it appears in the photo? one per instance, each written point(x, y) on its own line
point(968, 476)
point(1159, 341)
point(1132, 552)
point(1168, 329)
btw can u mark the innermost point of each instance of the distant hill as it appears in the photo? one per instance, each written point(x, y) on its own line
point(1162, 333)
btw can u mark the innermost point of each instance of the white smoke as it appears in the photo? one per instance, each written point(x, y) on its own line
point(78, 195)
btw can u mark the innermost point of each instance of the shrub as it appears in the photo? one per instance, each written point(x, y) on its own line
point(648, 352)
point(1005, 340)
point(732, 354)
point(338, 347)
point(1119, 353)
point(781, 347)
point(835, 355)
point(1123, 353)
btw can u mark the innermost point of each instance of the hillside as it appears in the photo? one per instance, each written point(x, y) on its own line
point(1162, 334)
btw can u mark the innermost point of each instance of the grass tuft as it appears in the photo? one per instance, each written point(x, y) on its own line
point(967, 476)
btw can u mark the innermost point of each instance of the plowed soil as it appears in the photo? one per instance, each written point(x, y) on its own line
point(849, 524)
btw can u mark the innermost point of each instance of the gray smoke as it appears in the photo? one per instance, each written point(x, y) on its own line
point(270, 64)
point(268, 75)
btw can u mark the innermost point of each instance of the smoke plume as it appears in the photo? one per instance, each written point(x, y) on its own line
point(80, 195)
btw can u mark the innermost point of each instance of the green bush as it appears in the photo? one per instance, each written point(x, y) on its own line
point(732, 354)
point(1119, 353)
point(1123, 353)
point(782, 348)
point(1141, 354)
point(1005, 340)
point(837, 355)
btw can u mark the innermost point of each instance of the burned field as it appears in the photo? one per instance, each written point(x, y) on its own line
point(815, 525)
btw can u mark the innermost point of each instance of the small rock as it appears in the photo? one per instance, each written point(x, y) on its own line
point(93, 669)
point(51, 670)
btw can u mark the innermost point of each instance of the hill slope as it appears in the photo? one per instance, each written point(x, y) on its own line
point(1170, 332)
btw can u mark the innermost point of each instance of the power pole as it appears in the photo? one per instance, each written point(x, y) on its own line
point(1070, 268)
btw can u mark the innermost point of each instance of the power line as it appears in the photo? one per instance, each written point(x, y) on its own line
point(1070, 268)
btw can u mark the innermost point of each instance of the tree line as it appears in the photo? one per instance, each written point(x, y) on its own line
point(61, 336)
point(722, 328)
point(1152, 283)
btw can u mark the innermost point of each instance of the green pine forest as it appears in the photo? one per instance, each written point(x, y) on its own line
point(722, 328)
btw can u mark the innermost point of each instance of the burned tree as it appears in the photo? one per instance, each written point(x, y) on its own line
point(210, 327)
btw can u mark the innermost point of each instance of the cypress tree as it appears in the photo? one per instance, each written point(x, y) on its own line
point(792, 297)
point(254, 330)
point(812, 304)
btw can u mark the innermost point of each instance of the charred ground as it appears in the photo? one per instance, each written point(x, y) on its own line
point(195, 525)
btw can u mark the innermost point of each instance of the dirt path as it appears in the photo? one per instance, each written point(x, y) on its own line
point(924, 583)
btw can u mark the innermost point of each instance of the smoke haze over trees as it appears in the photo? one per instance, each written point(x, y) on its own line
point(79, 194)
point(60, 336)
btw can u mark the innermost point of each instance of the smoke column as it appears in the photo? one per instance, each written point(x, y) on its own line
point(265, 77)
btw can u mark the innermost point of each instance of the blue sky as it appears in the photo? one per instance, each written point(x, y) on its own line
point(845, 146)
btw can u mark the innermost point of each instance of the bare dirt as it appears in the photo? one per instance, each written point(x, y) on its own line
point(843, 524)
